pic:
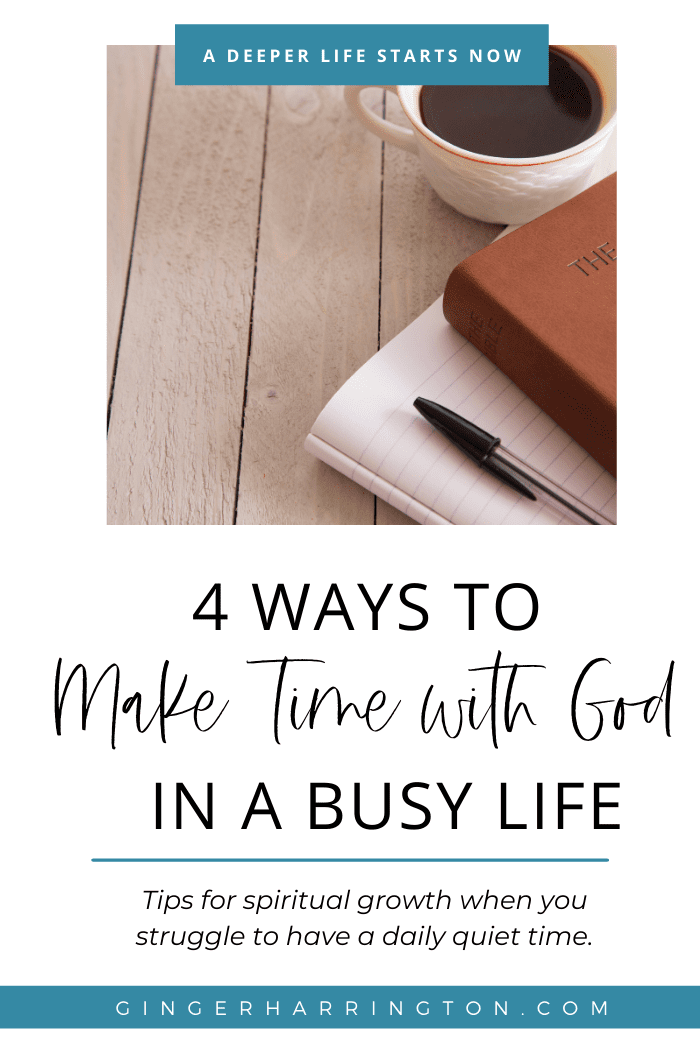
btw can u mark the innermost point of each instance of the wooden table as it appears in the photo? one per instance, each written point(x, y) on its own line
point(262, 246)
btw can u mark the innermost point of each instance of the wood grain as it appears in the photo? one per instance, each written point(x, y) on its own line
point(423, 239)
point(175, 429)
point(254, 293)
point(129, 80)
point(316, 312)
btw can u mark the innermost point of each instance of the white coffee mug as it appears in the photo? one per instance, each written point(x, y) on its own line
point(498, 189)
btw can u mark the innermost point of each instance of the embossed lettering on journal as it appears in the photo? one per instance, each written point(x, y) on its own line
point(606, 258)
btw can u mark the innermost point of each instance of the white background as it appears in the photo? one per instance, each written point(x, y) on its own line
point(88, 593)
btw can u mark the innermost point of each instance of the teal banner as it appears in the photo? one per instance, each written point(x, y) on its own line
point(349, 1006)
point(361, 54)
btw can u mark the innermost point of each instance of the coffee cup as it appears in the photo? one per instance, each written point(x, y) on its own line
point(500, 189)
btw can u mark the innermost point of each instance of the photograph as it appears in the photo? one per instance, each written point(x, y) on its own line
point(358, 305)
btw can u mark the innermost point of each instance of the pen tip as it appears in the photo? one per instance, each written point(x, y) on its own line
point(425, 407)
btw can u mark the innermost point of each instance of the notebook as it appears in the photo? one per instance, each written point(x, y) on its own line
point(371, 432)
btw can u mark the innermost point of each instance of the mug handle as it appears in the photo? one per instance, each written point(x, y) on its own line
point(402, 137)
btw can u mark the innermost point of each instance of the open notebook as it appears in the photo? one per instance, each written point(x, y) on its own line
point(371, 432)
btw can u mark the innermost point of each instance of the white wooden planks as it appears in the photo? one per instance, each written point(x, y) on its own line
point(174, 434)
point(129, 79)
point(315, 319)
point(265, 204)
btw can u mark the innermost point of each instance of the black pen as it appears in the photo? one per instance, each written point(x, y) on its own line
point(487, 452)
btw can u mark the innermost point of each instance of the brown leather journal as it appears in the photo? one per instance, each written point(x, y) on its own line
point(541, 304)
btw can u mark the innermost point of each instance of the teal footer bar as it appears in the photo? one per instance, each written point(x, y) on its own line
point(349, 1006)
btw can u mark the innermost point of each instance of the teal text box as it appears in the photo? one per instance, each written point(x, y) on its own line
point(361, 54)
point(349, 1006)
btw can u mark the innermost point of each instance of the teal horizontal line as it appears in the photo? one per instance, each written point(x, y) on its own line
point(349, 860)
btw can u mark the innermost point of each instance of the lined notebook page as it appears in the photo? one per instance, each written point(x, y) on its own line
point(371, 432)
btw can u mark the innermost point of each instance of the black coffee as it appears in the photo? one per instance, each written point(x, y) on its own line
point(511, 120)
